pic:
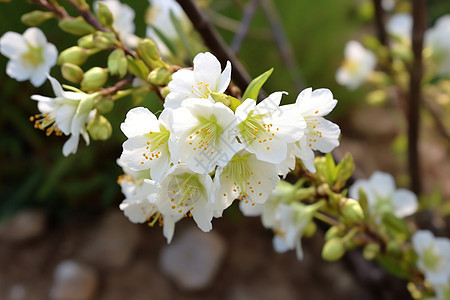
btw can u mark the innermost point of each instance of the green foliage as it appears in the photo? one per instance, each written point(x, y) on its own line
point(255, 86)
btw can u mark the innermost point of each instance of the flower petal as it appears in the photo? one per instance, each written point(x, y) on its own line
point(35, 37)
point(138, 121)
point(15, 69)
point(405, 203)
point(12, 45)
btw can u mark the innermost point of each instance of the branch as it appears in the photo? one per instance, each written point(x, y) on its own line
point(215, 42)
point(283, 44)
point(379, 22)
point(59, 11)
point(416, 73)
point(245, 24)
point(88, 17)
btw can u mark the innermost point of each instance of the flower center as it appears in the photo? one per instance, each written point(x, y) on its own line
point(200, 90)
point(431, 260)
point(33, 57)
point(206, 133)
point(46, 122)
point(238, 170)
point(156, 144)
point(350, 65)
point(312, 132)
point(253, 129)
point(184, 191)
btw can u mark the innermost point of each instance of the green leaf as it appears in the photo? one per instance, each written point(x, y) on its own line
point(253, 88)
point(344, 171)
point(176, 23)
point(170, 45)
point(395, 226)
point(394, 266)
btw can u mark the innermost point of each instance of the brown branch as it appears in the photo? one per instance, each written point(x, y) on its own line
point(415, 94)
point(379, 23)
point(249, 11)
point(282, 42)
point(117, 87)
point(88, 16)
point(215, 42)
point(59, 11)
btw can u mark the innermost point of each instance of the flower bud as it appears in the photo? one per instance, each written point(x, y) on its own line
point(351, 210)
point(164, 92)
point(76, 26)
point(104, 106)
point(333, 249)
point(74, 55)
point(86, 105)
point(371, 251)
point(72, 73)
point(137, 67)
point(99, 128)
point(104, 15)
point(149, 53)
point(36, 17)
point(86, 42)
point(117, 63)
point(333, 232)
point(310, 230)
point(94, 79)
point(393, 248)
point(159, 76)
point(104, 40)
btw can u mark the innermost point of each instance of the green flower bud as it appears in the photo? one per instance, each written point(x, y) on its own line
point(333, 249)
point(393, 248)
point(86, 105)
point(371, 251)
point(36, 17)
point(72, 73)
point(351, 210)
point(159, 76)
point(164, 92)
point(76, 26)
point(333, 232)
point(310, 230)
point(137, 67)
point(99, 128)
point(94, 79)
point(228, 100)
point(104, 40)
point(117, 63)
point(74, 55)
point(104, 15)
point(86, 42)
point(104, 106)
point(149, 53)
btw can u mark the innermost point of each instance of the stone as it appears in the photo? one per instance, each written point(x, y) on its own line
point(113, 242)
point(193, 259)
point(74, 281)
point(24, 226)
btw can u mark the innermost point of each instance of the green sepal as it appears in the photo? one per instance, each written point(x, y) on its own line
point(344, 171)
point(117, 63)
point(77, 26)
point(254, 87)
point(137, 67)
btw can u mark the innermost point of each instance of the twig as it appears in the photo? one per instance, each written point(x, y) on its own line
point(379, 22)
point(416, 73)
point(283, 44)
point(88, 17)
point(249, 11)
point(214, 42)
point(59, 11)
point(117, 87)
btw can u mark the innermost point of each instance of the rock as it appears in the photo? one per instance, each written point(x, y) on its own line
point(73, 281)
point(193, 259)
point(113, 243)
point(24, 226)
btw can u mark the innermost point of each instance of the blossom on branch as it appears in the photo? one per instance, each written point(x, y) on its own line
point(30, 55)
point(67, 113)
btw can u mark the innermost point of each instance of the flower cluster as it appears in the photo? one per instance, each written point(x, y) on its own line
point(383, 197)
point(200, 154)
point(434, 260)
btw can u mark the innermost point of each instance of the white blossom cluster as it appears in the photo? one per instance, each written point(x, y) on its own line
point(199, 155)
point(434, 261)
point(360, 62)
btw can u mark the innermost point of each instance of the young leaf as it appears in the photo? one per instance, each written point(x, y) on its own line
point(253, 88)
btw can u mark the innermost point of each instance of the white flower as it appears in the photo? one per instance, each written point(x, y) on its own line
point(247, 178)
point(400, 26)
point(388, 5)
point(267, 128)
point(434, 256)
point(30, 56)
point(62, 115)
point(136, 205)
point(437, 40)
point(382, 197)
point(205, 135)
point(320, 134)
point(159, 17)
point(183, 192)
point(357, 65)
point(147, 143)
point(200, 82)
point(442, 292)
point(123, 20)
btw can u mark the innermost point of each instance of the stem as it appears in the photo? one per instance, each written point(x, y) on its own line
point(59, 11)
point(249, 11)
point(327, 219)
point(416, 73)
point(215, 42)
point(379, 23)
point(88, 17)
point(117, 87)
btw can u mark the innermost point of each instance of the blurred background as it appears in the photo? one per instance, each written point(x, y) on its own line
point(60, 214)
